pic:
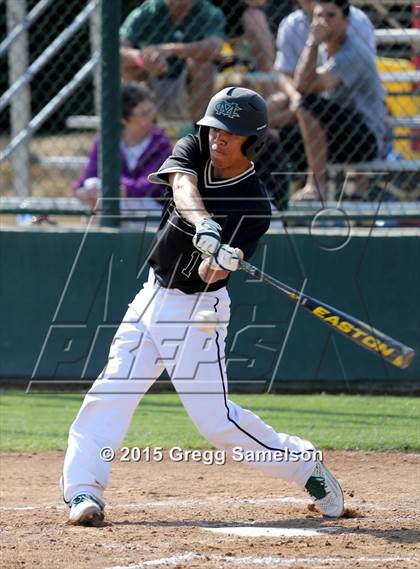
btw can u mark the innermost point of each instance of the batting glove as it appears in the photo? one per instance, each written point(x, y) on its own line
point(226, 259)
point(207, 236)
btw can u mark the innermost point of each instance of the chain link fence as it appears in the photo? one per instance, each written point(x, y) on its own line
point(180, 53)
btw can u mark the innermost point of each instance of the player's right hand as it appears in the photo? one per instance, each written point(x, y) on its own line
point(227, 258)
point(207, 236)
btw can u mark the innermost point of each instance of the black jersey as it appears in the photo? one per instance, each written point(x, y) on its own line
point(240, 205)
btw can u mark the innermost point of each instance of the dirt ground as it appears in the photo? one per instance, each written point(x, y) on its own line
point(163, 514)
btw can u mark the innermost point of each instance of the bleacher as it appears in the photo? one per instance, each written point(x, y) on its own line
point(401, 78)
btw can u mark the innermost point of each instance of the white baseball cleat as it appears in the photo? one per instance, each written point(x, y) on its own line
point(85, 510)
point(325, 491)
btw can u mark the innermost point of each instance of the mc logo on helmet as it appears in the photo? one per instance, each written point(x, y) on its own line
point(230, 110)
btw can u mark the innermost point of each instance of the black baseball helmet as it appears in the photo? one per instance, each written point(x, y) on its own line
point(238, 111)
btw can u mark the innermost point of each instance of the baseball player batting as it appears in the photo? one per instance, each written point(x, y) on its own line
point(216, 212)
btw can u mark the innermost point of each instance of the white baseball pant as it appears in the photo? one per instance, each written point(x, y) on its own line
point(155, 333)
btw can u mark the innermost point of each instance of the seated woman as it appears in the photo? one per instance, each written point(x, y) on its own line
point(143, 148)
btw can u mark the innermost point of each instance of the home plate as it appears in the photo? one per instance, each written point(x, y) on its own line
point(272, 532)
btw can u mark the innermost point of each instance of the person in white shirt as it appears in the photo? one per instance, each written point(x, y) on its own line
point(292, 35)
point(356, 93)
point(339, 104)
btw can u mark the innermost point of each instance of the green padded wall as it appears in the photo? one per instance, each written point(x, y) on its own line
point(63, 294)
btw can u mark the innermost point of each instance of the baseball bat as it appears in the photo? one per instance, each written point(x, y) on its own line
point(352, 328)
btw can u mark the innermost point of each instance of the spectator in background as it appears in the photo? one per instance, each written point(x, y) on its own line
point(336, 97)
point(171, 44)
point(292, 35)
point(340, 105)
point(143, 148)
point(247, 19)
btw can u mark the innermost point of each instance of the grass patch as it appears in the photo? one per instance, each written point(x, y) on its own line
point(41, 420)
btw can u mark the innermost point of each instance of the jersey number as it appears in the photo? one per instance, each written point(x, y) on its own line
point(187, 270)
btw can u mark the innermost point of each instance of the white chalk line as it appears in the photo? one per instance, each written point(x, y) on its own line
point(258, 531)
point(177, 503)
point(265, 561)
point(173, 503)
point(173, 560)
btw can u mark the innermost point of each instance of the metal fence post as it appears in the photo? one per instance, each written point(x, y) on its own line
point(21, 103)
point(95, 46)
point(110, 111)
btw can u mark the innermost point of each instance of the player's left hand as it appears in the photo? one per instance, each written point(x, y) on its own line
point(226, 258)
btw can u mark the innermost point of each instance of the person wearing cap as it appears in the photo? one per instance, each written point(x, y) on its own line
point(215, 214)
